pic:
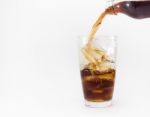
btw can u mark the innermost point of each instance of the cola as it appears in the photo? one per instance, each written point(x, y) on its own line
point(97, 85)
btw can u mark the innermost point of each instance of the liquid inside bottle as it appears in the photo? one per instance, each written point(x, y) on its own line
point(134, 9)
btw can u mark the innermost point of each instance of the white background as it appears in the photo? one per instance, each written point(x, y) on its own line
point(39, 74)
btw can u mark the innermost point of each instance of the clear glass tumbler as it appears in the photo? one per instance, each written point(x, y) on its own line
point(97, 68)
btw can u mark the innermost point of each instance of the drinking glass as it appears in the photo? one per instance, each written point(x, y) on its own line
point(97, 68)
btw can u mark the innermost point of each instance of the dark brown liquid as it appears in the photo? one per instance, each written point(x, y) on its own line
point(98, 86)
point(134, 9)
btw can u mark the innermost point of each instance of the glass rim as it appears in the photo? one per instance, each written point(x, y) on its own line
point(107, 37)
point(115, 37)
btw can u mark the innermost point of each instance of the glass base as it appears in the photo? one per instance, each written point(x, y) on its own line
point(98, 104)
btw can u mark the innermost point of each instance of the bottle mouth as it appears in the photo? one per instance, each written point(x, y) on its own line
point(111, 10)
point(110, 7)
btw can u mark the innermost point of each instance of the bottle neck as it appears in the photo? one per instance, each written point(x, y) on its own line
point(111, 7)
